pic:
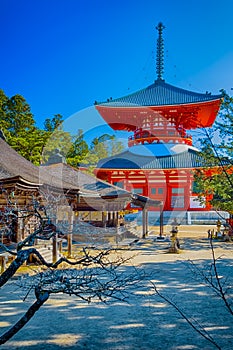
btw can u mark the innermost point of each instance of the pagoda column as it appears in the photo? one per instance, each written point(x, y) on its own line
point(188, 190)
point(109, 177)
point(167, 205)
point(126, 181)
point(147, 184)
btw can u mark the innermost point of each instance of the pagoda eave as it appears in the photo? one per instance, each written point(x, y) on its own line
point(190, 115)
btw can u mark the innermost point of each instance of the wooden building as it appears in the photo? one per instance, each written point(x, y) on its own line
point(67, 193)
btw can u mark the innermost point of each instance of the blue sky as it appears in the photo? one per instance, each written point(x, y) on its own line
point(62, 55)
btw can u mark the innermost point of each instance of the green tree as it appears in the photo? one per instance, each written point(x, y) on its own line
point(15, 115)
point(36, 145)
point(102, 147)
point(215, 181)
point(58, 139)
point(78, 150)
point(52, 124)
point(3, 111)
point(29, 144)
point(115, 147)
point(18, 125)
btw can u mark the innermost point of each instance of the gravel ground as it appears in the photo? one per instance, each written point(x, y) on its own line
point(146, 321)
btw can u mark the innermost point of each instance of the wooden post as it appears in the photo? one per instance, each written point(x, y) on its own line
point(110, 219)
point(104, 216)
point(15, 227)
point(116, 218)
point(2, 263)
point(20, 229)
point(69, 236)
point(146, 218)
point(60, 245)
point(161, 221)
point(143, 223)
point(55, 255)
point(116, 225)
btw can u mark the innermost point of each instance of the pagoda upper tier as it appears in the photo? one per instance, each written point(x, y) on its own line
point(160, 112)
point(182, 108)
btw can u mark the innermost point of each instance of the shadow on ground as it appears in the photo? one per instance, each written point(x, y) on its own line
point(145, 322)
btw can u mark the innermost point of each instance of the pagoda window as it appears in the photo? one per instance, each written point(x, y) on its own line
point(138, 190)
point(177, 190)
point(153, 190)
point(177, 201)
point(177, 198)
point(119, 184)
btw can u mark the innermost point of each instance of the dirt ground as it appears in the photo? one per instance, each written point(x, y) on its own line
point(146, 321)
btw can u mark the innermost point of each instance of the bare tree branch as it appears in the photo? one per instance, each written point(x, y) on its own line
point(193, 323)
point(41, 298)
point(88, 284)
point(97, 275)
point(213, 280)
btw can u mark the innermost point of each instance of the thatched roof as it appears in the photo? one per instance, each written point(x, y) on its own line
point(73, 178)
point(16, 169)
point(12, 164)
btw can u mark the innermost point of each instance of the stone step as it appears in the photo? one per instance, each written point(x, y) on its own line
point(46, 252)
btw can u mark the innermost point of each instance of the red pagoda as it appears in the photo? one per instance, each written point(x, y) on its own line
point(160, 159)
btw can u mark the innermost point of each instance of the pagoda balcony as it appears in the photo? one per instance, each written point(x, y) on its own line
point(133, 141)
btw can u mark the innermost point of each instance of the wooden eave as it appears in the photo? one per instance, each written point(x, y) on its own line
point(19, 183)
point(189, 115)
point(145, 202)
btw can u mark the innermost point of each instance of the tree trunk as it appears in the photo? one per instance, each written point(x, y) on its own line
point(42, 297)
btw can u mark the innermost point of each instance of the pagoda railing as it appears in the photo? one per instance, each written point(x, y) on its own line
point(187, 139)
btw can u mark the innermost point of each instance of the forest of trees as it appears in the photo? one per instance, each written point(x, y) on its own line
point(19, 128)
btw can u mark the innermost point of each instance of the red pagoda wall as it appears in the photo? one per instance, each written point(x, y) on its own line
point(173, 187)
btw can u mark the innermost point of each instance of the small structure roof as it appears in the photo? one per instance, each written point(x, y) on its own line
point(75, 179)
point(189, 158)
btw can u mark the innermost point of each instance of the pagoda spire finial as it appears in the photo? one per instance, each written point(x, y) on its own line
point(160, 52)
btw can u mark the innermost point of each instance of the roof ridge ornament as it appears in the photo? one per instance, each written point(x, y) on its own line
point(160, 52)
